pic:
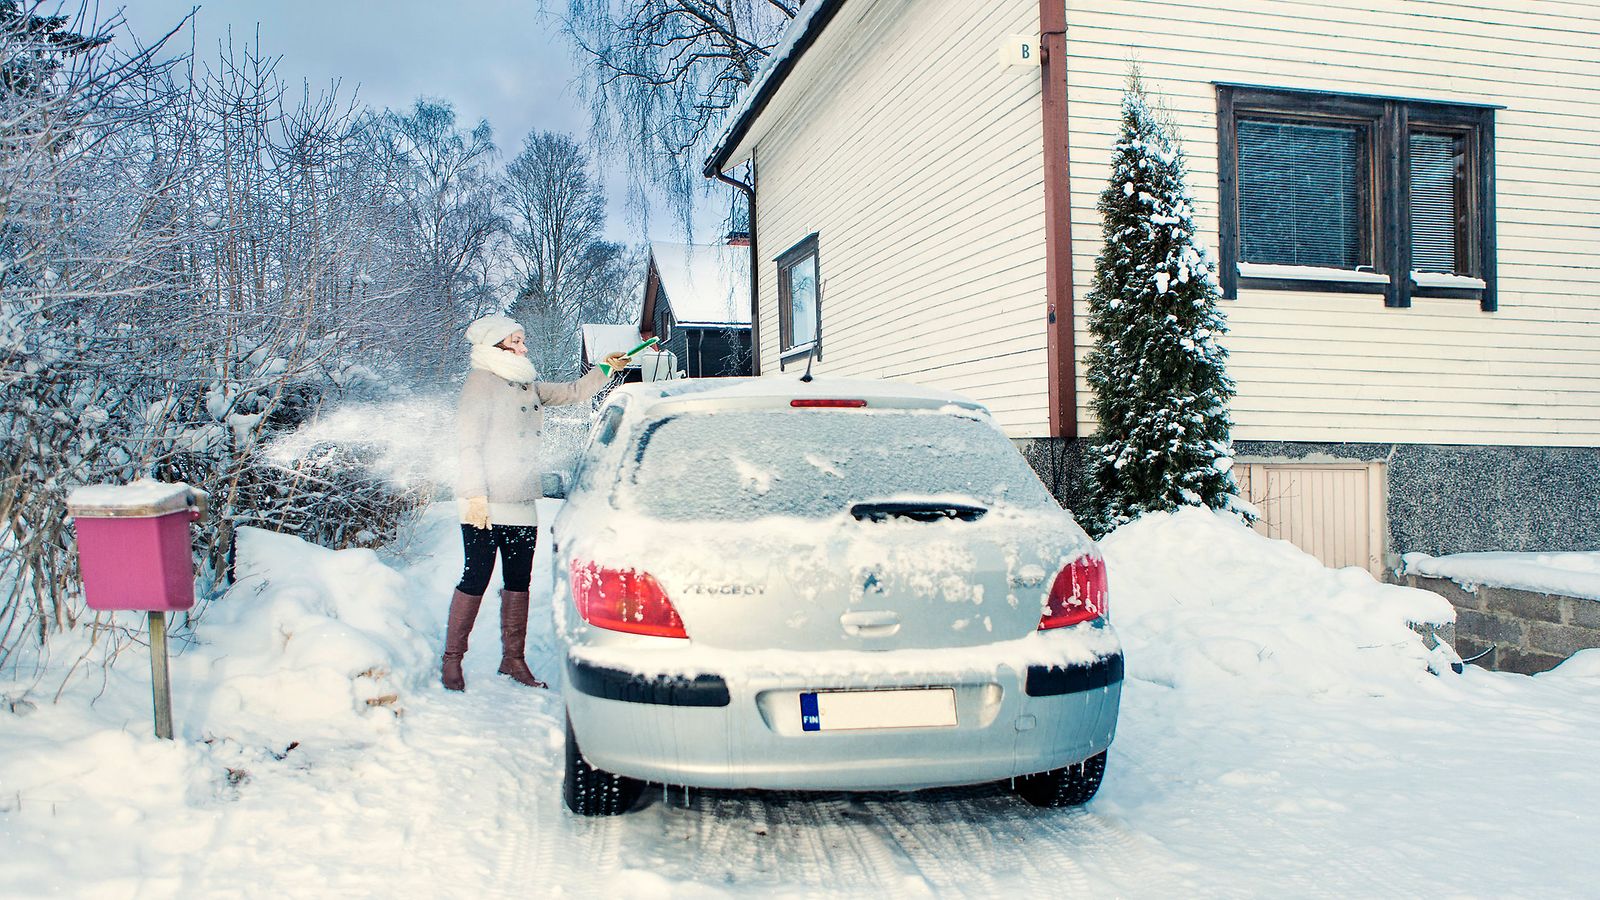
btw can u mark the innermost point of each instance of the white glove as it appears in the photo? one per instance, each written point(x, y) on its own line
point(477, 514)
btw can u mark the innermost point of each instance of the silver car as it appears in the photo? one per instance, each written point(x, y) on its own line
point(824, 585)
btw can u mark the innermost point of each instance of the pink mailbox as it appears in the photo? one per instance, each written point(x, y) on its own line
point(133, 544)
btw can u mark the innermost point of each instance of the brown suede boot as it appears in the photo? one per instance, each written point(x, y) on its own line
point(514, 638)
point(463, 612)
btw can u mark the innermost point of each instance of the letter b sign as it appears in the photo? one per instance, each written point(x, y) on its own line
point(1019, 50)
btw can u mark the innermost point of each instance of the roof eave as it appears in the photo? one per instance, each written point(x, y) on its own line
point(735, 131)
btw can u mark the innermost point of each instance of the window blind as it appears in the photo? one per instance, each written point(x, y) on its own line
point(1300, 194)
point(1436, 161)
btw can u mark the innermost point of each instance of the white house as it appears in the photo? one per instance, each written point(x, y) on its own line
point(1404, 199)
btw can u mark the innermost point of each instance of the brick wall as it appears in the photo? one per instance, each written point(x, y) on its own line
point(1530, 632)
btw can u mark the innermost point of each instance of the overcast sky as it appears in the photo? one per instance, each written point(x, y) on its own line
point(502, 60)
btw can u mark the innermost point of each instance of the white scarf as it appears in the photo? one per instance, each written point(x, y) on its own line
point(504, 363)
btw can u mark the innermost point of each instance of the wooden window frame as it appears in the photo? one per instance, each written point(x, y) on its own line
point(787, 260)
point(1390, 122)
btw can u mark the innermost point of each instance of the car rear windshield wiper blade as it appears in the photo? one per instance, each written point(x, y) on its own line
point(933, 511)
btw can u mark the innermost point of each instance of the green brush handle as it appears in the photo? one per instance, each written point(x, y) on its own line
point(649, 342)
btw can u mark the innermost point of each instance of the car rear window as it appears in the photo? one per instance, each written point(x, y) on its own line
point(746, 464)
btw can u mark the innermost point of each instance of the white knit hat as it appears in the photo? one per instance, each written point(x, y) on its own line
point(491, 330)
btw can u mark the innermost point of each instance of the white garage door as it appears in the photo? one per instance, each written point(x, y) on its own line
point(1333, 511)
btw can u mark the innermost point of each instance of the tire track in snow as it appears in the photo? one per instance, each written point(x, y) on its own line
point(1109, 855)
point(787, 844)
point(952, 837)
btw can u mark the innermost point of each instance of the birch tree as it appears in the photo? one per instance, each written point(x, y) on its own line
point(441, 178)
point(566, 273)
point(661, 76)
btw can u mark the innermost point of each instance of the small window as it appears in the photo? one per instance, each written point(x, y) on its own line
point(1333, 192)
point(1441, 207)
point(800, 300)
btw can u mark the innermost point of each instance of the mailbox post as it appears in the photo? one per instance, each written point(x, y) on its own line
point(134, 553)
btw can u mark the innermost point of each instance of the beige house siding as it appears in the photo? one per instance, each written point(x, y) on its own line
point(1342, 367)
point(917, 159)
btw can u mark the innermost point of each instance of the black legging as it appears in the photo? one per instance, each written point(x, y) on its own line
point(515, 543)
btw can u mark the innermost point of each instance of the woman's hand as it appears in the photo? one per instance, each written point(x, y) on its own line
point(477, 514)
point(618, 361)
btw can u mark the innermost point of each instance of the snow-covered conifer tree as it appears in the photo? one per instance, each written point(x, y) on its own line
point(1161, 390)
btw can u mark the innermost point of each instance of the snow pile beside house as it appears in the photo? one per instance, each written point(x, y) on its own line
point(1570, 574)
point(309, 642)
point(1203, 601)
point(1583, 664)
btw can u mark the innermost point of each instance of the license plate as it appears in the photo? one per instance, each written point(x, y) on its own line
point(855, 710)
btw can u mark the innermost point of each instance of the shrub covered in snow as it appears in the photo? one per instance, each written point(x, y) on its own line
point(168, 305)
point(1161, 390)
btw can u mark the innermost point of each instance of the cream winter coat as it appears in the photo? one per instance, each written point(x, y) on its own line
point(500, 426)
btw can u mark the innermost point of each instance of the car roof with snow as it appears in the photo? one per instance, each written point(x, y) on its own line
point(781, 390)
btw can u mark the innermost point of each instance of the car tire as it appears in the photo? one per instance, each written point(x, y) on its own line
point(592, 792)
point(1066, 786)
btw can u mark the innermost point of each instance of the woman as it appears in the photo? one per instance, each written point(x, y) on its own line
point(500, 423)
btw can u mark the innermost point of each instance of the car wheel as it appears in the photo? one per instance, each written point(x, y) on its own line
point(1066, 786)
point(591, 792)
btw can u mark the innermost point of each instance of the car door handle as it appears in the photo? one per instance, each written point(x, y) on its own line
point(871, 623)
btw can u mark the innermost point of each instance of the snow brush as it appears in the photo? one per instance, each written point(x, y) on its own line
point(649, 342)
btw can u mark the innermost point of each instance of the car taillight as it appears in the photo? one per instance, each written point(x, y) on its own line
point(624, 600)
point(1078, 593)
point(827, 403)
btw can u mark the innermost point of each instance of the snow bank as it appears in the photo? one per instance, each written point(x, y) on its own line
point(311, 659)
point(97, 810)
point(1571, 574)
point(1203, 601)
point(1583, 664)
point(308, 643)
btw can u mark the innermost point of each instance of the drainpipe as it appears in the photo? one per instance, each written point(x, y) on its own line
point(749, 191)
point(1060, 346)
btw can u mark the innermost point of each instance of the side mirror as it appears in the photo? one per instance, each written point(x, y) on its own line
point(554, 486)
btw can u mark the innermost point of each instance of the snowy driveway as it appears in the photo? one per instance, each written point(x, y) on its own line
point(1249, 797)
point(1247, 763)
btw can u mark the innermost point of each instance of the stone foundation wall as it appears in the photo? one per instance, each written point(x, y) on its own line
point(1530, 632)
point(1442, 499)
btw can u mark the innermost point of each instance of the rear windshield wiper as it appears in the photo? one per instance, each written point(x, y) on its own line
point(916, 511)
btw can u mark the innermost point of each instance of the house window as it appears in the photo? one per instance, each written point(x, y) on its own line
point(799, 300)
point(1302, 194)
point(1332, 192)
point(1441, 216)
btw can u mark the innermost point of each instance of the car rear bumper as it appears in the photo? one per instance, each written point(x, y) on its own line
point(744, 730)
